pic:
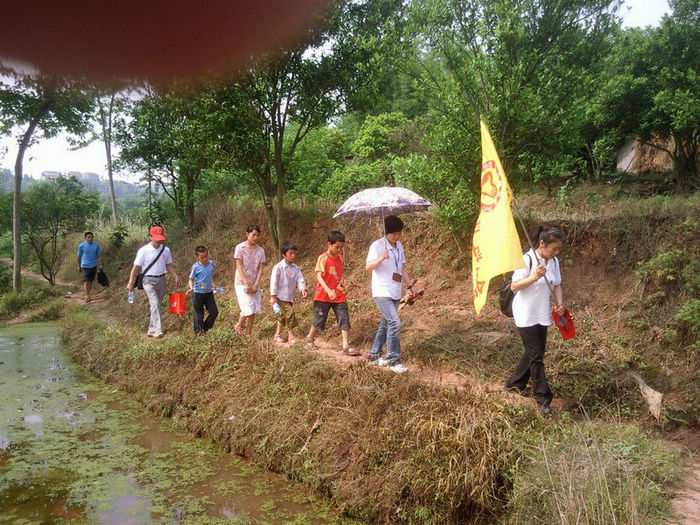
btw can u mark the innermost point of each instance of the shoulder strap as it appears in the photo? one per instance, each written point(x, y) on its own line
point(529, 262)
point(162, 249)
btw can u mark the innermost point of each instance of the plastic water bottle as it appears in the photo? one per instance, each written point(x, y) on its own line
point(276, 308)
point(131, 297)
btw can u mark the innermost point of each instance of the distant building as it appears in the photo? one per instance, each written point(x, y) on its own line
point(87, 177)
point(50, 175)
point(91, 177)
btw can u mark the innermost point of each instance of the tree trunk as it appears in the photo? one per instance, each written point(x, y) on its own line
point(106, 118)
point(17, 198)
point(279, 171)
point(150, 198)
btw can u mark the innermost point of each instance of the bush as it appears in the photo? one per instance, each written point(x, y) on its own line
point(118, 235)
point(50, 311)
point(689, 316)
point(351, 179)
point(12, 303)
point(5, 279)
point(592, 473)
point(457, 206)
point(664, 270)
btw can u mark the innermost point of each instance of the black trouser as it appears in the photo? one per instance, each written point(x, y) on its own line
point(201, 301)
point(531, 365)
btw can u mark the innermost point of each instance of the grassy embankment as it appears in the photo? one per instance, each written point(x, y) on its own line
point(39, 300)
point(394, 448)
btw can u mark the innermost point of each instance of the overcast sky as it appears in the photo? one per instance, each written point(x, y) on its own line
point(55, 154)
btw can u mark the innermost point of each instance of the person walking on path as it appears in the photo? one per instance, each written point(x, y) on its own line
point(532, 315)
point(89, 259)
point(201, 283)
point(286, 278)
point(249, 259)
point(157, 261)
point(330, 293)
point(387, 262)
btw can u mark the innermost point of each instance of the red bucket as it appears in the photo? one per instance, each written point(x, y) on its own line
point(177, 303)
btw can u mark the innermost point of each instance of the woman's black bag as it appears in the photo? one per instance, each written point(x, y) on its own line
point(102, 277)
point(138, 282)
point(506, 295)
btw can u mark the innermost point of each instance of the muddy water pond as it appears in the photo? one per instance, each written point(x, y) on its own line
point(74, 450)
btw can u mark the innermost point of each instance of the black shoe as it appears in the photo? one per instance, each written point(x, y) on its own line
point(544, 410)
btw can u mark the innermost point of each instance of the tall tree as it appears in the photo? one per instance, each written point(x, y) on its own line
point(518, 63)
point(52, 209)
point(31, 103)
point(651, 90)
point(304, 86)
point(163, 139)
point(110, 106)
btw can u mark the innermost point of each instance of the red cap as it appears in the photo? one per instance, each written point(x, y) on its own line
point(157, 233)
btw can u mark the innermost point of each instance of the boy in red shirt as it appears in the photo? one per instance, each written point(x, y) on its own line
point(330, 293)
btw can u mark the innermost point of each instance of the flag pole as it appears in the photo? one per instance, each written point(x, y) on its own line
point(529, 241)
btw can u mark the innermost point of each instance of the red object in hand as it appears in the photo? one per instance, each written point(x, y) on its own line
point(565, 324)
point(415, 296)
point(177, 303)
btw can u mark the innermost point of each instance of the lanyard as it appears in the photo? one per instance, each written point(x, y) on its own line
point(396, 257)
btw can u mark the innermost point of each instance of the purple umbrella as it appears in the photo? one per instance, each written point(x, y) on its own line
point(378, 202)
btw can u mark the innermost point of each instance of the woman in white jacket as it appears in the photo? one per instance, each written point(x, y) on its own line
point(531, 312)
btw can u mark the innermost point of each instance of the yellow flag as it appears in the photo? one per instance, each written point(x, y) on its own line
point(496, 245)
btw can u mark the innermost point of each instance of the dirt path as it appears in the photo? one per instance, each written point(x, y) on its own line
point(330, 349)
point(74, 296)
point(686, 504)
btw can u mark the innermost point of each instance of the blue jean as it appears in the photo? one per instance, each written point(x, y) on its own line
point(388, 331)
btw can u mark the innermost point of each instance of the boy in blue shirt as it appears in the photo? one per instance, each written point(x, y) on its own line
point(89, 256)
point(202, 286)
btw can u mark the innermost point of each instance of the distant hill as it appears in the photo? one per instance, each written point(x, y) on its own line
point(91, 180)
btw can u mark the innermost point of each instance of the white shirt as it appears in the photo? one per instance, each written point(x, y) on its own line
point(531, 304)
point(147, 253)
point(382, 283)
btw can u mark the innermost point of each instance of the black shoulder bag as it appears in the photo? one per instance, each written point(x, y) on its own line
point(138, 282)
point(506, 295)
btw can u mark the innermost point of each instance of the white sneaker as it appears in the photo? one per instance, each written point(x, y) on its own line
point(382, 362)
point(399, 369)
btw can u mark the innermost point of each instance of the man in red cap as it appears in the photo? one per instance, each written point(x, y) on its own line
point(154, 261)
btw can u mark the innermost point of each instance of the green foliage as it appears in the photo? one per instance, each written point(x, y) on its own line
point(12, 303)
point(51, 310)
point(523, 65)
point(351, 179)
point(689, 316)
point(118, 235)
point(651, 90)
point(315, 160)
point(5, 279)
point(664, 270)
point(380, 137)
point(157, 211)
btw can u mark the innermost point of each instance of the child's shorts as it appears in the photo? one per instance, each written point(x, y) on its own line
point(342, 316)
point(286, 317)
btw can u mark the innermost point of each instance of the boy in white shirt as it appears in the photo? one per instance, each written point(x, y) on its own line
point(285, 280)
